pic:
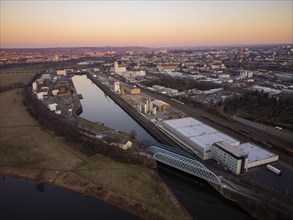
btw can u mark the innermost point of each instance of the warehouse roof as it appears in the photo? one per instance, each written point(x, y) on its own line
point(199, 133)
point(182, 122)
point(196, 130)
point(206, 141)
point(255, 153)
point(159, 103)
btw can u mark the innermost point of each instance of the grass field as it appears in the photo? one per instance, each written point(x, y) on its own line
point(141, 183)
point(7, 79)
point(23, 143)
point(10, 79)
point(28, 151)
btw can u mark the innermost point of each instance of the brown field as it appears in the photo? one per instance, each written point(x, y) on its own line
point(28, 151)
point(23, 143)
point(9, 78)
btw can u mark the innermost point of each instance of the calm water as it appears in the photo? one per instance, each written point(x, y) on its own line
point(202, 201)
point(20, 199)
point(98, 107)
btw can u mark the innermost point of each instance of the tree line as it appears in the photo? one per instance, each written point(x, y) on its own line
point(259, 106)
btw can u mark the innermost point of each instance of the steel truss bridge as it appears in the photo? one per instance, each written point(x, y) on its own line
point(182, 162)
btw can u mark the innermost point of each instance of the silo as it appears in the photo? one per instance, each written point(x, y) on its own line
point(147, 105)
point(154, 111)
point(145, 109)
point(150, 105)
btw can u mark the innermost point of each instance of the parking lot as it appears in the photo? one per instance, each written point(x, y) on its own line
point(271, 181)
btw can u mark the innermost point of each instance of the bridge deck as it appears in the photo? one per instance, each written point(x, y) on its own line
point(183, 163)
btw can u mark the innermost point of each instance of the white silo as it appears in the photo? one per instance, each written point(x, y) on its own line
point(150, 105)
point(145, 109)
point(154, 110)
point(147, 105)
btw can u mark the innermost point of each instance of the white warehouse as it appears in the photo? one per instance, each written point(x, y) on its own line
point(199, 136)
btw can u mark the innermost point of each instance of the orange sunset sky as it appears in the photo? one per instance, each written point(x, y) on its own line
point(144, 23)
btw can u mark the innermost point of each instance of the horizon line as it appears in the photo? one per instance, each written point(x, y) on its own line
point(156, 47)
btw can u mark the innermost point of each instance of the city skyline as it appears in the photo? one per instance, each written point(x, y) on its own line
point(32, 24)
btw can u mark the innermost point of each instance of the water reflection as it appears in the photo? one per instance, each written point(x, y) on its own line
point(40, 187)
point(98, 107)
point(201, 200)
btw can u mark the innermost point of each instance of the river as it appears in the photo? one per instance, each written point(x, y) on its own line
point(201, 200)
point(21, 199)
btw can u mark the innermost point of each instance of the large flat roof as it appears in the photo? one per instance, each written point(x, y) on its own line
point(197, 130)
point(182, 122)
point(255, 153)
point(206, 141)
point(199, 133)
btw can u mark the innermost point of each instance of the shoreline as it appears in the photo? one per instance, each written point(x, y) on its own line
point(71, 181)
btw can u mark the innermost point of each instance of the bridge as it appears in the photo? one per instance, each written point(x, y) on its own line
point(181, 160)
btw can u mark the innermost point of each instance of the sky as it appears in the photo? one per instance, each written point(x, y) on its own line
point(35, 24)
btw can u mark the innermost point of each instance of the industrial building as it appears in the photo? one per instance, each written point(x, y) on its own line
point(52, 106)
point(243, 157)
point(207, 143)
point(42, 95)
point(131, 90)
point(160, 105)
point(231, 157)
point(61, 72)
point(119, 68)
point(117, 87)
point(165, 90)
point(199, 136)
point(133, 74)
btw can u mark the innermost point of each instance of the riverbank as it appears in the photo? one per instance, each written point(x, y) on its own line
point(27, 151)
